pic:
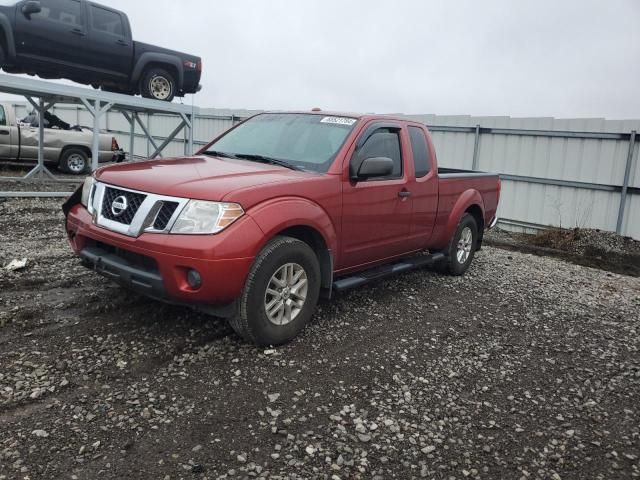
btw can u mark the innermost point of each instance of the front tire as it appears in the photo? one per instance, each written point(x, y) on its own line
point(158, 84)
point(280, 295)
point(462, 248)
point(74, 161)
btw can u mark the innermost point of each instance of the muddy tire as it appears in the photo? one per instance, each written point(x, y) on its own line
point(158, 84)
point(462, 248)
point(280, 295)
point(75, 161)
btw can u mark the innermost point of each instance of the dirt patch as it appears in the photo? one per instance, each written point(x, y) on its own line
point(591, 248)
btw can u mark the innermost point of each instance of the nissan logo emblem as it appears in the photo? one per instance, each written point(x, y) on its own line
point(119, 206)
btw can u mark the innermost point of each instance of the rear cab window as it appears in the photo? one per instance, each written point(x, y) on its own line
point(107, 21)
point(420, 149)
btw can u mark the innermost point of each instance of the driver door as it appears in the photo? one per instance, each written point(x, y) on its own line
point(376, 219)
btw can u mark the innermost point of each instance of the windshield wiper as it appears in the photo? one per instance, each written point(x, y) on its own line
point(269, 160)
point(215, 153)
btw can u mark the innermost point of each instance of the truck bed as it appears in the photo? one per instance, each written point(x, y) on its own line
point(455, 182)
point(457, 173)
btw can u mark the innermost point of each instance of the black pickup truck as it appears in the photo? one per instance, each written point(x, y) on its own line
point(90, 44)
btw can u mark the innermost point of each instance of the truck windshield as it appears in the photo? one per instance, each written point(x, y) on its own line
point(304, 141)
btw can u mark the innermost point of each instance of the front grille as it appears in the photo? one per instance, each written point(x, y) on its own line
point(134, 200)
point(164, 215)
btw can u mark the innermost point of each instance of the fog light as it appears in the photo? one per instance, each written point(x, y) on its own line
point(194, 279)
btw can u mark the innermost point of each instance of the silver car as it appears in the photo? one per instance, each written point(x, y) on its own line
point(69, 148)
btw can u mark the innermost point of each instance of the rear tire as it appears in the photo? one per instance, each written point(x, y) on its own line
point(158, 84)
point(280, 295)
point(462, 248)
point(74, 161)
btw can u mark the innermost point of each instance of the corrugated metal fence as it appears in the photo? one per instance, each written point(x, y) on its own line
point(569, 172)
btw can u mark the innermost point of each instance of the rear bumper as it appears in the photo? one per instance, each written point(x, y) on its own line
point(157, 265)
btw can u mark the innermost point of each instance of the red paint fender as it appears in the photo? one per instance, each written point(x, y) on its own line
point(468, 199)
point(281, 213)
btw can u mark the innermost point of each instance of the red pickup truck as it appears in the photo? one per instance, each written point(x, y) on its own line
point(279, 210)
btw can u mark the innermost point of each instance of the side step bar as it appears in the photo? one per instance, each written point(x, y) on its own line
point(406, 265)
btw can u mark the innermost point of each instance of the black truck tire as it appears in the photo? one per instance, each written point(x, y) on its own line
point(158, 84)
point(280, 294)
point(462, 248)
point(74, 161)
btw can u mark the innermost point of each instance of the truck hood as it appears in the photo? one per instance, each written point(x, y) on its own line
point(199, 178)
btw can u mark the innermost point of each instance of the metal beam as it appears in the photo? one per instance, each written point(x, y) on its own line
point(35, 194)
point(531, 133)
point(132, 135)
point(188, 147)
point(145, 130)
point(561, 183)
point(69, 94)
point(476, 149)
point(169, 139)
point(556, 133)
point(625, 184)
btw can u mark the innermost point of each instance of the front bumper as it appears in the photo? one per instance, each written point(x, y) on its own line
point(157, 265)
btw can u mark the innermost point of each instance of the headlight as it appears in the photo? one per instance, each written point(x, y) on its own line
point(200, 217)
point(87, 193)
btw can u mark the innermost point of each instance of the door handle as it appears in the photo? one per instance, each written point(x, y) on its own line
point(77, 31)
point(122, 42)
point(404, 194)
point(4, 132)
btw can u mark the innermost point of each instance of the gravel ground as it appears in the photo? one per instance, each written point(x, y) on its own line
point(527, 367)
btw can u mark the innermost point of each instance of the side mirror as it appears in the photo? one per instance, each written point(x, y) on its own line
point(30, 8)
point(374, 167)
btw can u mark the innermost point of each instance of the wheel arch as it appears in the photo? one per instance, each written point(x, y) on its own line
point(303, 220)
point(315, 240)
point(469, 201)
point(159, 60)
point(66, 148)
point(476, 212)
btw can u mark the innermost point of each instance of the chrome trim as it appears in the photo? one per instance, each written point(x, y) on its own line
point(145, 216)
point(494, 222)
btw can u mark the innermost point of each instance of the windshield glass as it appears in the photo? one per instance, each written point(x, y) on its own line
point(310, 142)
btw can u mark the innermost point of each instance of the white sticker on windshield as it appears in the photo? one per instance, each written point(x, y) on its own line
point(339, 121)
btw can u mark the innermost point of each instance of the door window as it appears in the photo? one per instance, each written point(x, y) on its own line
point(106, 21)
point(68, 12)
point(385, 142)
point(420, 150)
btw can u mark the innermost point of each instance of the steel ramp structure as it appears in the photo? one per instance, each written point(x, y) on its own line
point(43, 95)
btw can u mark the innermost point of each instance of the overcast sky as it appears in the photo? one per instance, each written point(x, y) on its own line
point(571, 58)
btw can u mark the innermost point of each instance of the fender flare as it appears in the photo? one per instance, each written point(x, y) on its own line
point(466, 200)
point(6, 31)
point(277, 215)
point(162, 58)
